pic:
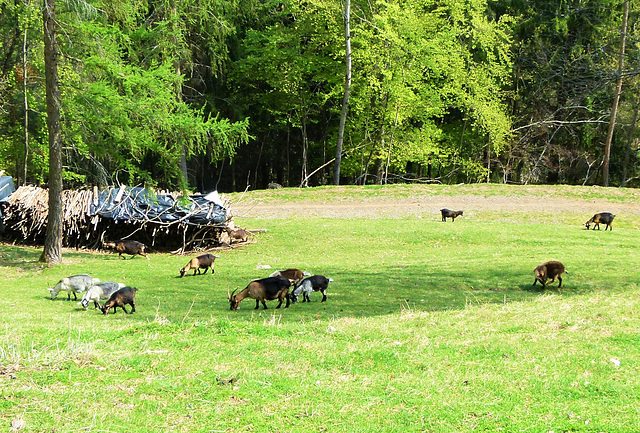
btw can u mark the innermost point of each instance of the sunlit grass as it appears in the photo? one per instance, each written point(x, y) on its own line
point(428, 327)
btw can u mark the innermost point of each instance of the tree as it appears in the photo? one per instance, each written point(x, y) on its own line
point(53, 241)
point(566, 55)
point(347, 90)
point(616, 97)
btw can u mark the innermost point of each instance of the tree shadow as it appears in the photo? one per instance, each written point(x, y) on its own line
point(393, 288)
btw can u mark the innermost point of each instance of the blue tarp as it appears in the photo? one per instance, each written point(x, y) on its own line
point(6, 188)
point(140, 204)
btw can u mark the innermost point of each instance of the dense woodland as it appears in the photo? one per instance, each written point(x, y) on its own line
point(204, 94)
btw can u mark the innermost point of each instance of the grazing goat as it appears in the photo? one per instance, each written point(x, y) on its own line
point(128, 247)
point(74, 284)
point(549, 270)
point(120, 298)
point(99, 291)
point(294, 275)
point(265, 289)
point(315, 283)
point(446, 213)
point(205, 261)
point(605, 218)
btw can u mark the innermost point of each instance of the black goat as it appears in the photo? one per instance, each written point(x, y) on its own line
point(446, 213)
point(120, 298)
point(605, 218)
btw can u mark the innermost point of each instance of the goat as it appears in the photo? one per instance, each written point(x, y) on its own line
point(549, 270)
point(120, 298)
point(128, 246)
point(315, 283)
point(99, 291)
point(265, 289)
point(237, 234)
point(605, 218)
point(74, 284)
point(294, 275)
point(446, 213)
point(205, 261)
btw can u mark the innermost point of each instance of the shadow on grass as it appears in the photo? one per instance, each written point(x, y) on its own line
point(19, 257)
point(392, 289)
point(28, 257)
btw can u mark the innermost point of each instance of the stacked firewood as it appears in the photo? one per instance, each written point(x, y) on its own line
point(28, 208)
point(25, 222)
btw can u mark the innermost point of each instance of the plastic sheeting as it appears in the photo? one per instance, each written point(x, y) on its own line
point(6, 188)
point(140, 204)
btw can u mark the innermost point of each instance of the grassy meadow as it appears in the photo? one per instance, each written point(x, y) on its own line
point(428, 326)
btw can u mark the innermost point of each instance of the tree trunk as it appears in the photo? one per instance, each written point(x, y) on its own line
point(347, 91)
point(53, 240)
point(627, 151)
point(305, 153)
point(26, 107)
point(616, 97)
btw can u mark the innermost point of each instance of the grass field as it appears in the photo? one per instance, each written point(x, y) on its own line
point(428, 326)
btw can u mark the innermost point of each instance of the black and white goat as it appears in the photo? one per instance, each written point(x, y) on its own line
point(99, 291)
point(315, 283)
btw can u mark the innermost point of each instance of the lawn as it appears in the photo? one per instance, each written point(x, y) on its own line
point(428, 326)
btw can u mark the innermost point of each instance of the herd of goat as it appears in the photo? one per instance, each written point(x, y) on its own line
point(276, 286)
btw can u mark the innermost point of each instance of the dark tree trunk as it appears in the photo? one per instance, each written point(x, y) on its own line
point(53, 241)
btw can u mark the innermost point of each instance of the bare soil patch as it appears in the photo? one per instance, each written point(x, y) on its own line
point(423, 206)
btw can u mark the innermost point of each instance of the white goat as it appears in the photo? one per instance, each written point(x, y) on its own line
point(99, 291)
point(74, 284)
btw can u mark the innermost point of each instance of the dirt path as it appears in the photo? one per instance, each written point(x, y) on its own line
point(428, 206)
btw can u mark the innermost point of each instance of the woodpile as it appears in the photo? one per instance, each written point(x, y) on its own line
point(164, 221)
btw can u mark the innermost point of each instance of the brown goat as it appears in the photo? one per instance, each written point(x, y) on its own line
point(237, 234)
point(128, 247)
point(294, 275)
point(205, 261)
point(120, 298)
point(446, 213)
point(549, 270)
point(265, 289)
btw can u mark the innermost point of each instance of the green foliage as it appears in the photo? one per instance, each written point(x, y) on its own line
point(429, 73)
point(455, 91)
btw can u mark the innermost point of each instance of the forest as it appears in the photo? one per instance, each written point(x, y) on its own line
point(236, 94)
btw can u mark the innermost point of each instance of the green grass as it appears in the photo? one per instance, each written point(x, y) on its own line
point(428, 327)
